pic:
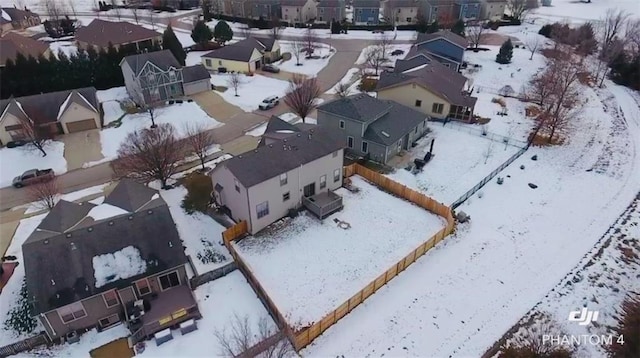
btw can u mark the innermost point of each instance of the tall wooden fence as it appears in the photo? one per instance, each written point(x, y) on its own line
point(306, 335)
point(24, 345)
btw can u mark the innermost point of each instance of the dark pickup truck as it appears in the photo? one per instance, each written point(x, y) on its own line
point(33, 176)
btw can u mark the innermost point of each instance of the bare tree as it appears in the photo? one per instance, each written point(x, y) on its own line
point(302, 94)
point(528, 342)
point(73, 8)
point(152, 19)
point(488, 152)
point(612, 25)
point(475, 31)
point(384, 42)
point(518, 9)
point(532, 42)
point(297, 47)
point(44, 194)
point(116, 8)
point(198, 141)
point(238, 337)
point(53, 9)
point(152, 108)
point(235, 81)
point(374, 57)
point(37, 135)
point(150, 154)
point(343, 89)
point(310, 40)
point(134, 11)
point(632, 35)
point(245, 31)
point(275, 28)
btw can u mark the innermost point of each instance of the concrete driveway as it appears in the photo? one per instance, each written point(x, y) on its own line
point(81, 147)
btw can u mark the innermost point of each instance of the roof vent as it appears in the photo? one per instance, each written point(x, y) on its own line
point(309, 135)
point(385, 134)
point(298, 135)
point(68, 234)
point(46, 241)
point(255, 151)
point(240, 156)
point(90, 229)
point(270, 145)
point(130, 217)
point(110, 223)
point(73, 246)
point(150, 212)
point(53, 283)
point(284, 140)
point(170, 244)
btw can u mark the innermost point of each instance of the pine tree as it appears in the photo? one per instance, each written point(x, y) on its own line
point(170, 42)
point(433, 27)
point(21, 319)
point(201, 33)
point(506, 53)
point(222, 32)
point(458, 28)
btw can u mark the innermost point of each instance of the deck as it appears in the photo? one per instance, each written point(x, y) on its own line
point(323, 204)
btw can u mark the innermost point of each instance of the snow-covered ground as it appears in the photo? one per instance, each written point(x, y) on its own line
point(194, 58)
point(362, 58)
point(252, 90)
point(309, 67)
point(324, 264)
point(519, 244)
point(111, 100)
point(200, 234)
point(88, 341)
point(579, 12)
point(350, 77)
point(460, 160)
point(16, 161)
point(68, 47)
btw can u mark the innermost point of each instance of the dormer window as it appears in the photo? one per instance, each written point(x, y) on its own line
point(172, 75)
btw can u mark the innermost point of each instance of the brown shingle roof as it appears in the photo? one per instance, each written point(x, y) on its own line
point(100, 33)
point(11, 44)
point(18, 14)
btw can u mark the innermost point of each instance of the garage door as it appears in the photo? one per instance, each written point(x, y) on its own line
point(83, 125)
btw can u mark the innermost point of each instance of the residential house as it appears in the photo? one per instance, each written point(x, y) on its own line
point(157, 76)
point(331, 10)
point(16, 19)
point(298, 11)
point(492, 10)
point(58, 112)
point(366, 12)
point(177, 4)
point(235, 8)
point(402, 12)
point(11, 44)
point(441, 10)
point(430, 88)
point(90, 265)
point(467, 9)
point(265, 9)
point(100, 33)
point(445, 46)
point(296, 166)
point(371, 127)
point(245, 56)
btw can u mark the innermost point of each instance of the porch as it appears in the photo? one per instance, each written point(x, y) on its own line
point(460, 113)
point(167, 309)
point(323, 204)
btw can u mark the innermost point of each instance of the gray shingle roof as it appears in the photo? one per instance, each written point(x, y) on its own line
point(130, 195)
point(242, 50)
point(60, 270)
point(162, 59)
point(391, 127)
point(456, 39)
point(278, 129)
point(366, 4)
point(403, 3)
point(412, 62)
point(65, 215)
point(44, 108)
point(293, 2)
point(195, 73)
point(359, 107)
point(18, 14)
point(101, 33)
point(331, 3)
point(269, 161)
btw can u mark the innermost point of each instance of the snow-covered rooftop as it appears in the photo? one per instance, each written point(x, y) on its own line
point(105, 211)
point(119, 265)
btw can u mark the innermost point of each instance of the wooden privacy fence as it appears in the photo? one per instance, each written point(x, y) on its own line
point(24, 345)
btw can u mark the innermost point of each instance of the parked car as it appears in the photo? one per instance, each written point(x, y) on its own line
point(397, 52)
point(16, 143)
point(269, 102)
point(33, 176)
point(270, 68)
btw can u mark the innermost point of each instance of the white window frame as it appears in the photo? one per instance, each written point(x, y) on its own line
point(418, 103)
point(72, 311)
point(323, 181)
point(138, 291)
point(350, 137)
point(260, 213)
point(105, 299)
point(365, 145)
point(236, 184)
point(341, 124)
point(162, 289)
point(151, 77)
point(283, 179)
point(172, 75)
point(111, 323)
point(336, 175)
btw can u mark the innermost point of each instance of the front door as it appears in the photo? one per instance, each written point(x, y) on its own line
point(310, 190)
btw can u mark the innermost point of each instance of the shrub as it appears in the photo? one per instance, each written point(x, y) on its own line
point(628, 327)
point(546, 31)
point(368, 84)
point(199, 189)
point(506, 53)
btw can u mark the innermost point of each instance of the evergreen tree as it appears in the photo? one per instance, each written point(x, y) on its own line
point(433, 27)
point(222, 32)
point(170, 42)
point(336, 28)
point(506, 53)
point(458, 28)
point(20, 318)
point(201, 33)
point(8, 79)
point(63, 71)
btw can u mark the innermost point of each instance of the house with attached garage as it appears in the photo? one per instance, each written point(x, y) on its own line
point(366, 12)
point(441, 10)
point(153, 77)
point(60, 112)
point(244, 56)
point(95, 266)
point(402, 12)
point(100, 33)
point(12, 44)
point(294, 166)
point(373, 128)
point(330, 10)
point(428, 86)
point(467, 9)
point(298, 11)
point(492, 10)
point(12, 18)
point(444, 46)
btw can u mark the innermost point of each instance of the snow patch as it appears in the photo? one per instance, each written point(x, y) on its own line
point(119, 265)
point(105, 211)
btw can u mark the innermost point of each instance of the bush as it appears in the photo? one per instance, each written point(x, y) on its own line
point(628, 327)
point(546, 31)
point(368, 84)
point(199, 189)
point(506, 53)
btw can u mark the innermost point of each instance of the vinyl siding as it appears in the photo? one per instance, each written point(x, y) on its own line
point(7, 120)
point(231, 65)
point(445, 48)
point(76, 112)
point(229, 197)
point(407, 95)
point(197, 87)
point(492, 10)
point(362, 16)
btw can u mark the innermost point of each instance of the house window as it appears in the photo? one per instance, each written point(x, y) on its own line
point(207, 62)
point(321, 11)
point(110, 298)
point(437, 108)
point(336, 175)
point(320, 18)
point(285, 196)
point(341, 124)
point(72, 312)
point(236, 184)
point(262, 209)
point(286, 17)
point(408, 19)
point(350, 142)
point(365, 147)
point(418, 103)
point(283, 179)
point(172, 75)
point(220, 62)
point(446, 65)
point(335, 154)
point(109, 321)
point(155, 94)
point(169, 280)
point(323, 182)
point(143, 287)
point(399, 11)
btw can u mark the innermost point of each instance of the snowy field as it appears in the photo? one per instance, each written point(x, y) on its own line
point(200, 234)
point(252, 90)
point(362, 58)
point(460, 161)
point(16, 161)
point(519, 244)
point(350, 77)
point(579, 12)
point(68, 47)
point(111, 100)
point(325, 264)
point(309, 67)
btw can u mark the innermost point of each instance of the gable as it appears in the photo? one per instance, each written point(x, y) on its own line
point(412, 87)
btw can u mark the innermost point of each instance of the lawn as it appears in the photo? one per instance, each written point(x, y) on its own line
point(308, 67)
point(18, 160)
point(391, 60)
point(324, 264)
point(252, 90)
point(111, 100)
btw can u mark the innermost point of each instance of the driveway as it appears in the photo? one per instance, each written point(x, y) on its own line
point(81, 147)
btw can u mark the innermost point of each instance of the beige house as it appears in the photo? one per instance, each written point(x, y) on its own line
point(401, 12)
point(12, 18)
point(11, 44)
point(245, 56)
point(59, 112)
point(294, 166)
point(492, 10)
point(298, 11)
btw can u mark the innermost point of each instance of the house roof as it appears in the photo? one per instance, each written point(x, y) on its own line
point(64, 216)
point(130, 195)
point(101, 33)
point(413, 60)
point(162, 59)
point(269, 161)
point(445, 34)
point(359, 107)
point(239, 51)
point(11, 44)
point(395, 124)
point(59, 266)
point(366, 4)
point(278, 129)
point(293, 2)
point(330, 3)
point(195, 73)
point(264, 43)
point(403, 3)
point(45, 108)
point(18, 14)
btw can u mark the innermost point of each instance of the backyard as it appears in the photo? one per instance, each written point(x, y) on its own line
point(251, 89)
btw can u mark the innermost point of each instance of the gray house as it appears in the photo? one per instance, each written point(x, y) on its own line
point(157, 76)
point(373, 128)
point(330, 10)
point(266, 9)
point(293, 166)
point(445, 46)
point(92, 266)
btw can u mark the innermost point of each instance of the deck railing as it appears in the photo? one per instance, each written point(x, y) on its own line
point(323, 211)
